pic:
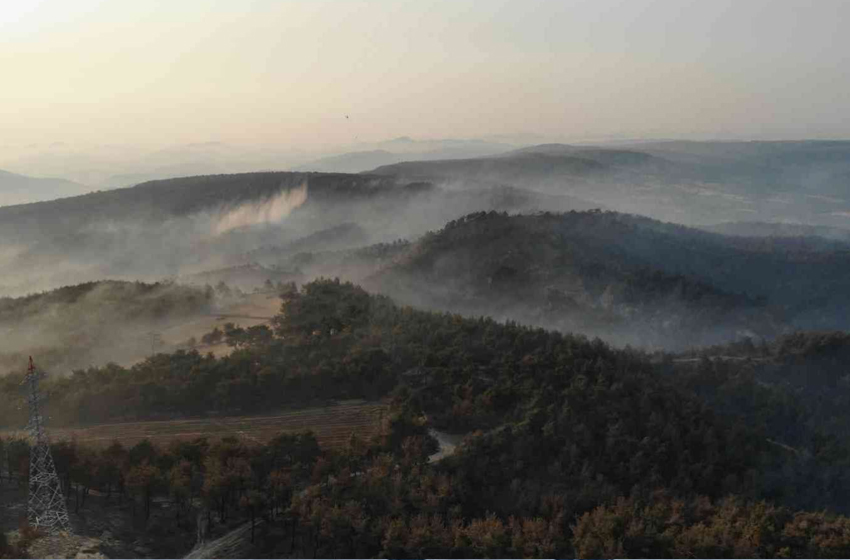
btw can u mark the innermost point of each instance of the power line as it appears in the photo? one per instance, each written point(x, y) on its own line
point(156, 341)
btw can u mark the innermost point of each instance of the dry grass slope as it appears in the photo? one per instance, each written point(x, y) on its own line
point(333, 425)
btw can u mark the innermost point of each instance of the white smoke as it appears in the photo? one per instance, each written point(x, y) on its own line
point(271, 211)
point(9, 253)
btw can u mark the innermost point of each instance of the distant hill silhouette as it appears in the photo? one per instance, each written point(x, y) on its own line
point(403, 149)
point(687, 182)
point(512, 168)
point(20, 189)
point(352, 162)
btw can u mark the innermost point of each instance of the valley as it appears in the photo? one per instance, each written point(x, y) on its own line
point(478, 279)
point(324, 363)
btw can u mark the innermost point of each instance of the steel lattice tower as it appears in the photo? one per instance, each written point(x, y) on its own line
point(46, 507)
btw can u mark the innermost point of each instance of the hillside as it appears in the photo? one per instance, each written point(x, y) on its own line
point(625, 278)
point(94, 323)
point(328, 249)
point(687, 182)
point(794, 389)
point(569, 442)
point(182, 227)
point(400, 150)
point(772, 229)
point(514, 169)
point(352, 162)
point(20, 189)
point(156, 201)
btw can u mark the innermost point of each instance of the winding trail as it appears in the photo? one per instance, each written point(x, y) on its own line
point(448, 445)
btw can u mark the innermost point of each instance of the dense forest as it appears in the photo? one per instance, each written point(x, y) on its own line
point(376, 279)
point(626, 278)
point(572, 447)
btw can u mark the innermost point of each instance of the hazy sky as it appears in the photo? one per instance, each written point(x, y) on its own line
point(287, 72)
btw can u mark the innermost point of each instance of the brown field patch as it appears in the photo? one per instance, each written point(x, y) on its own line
point(333, 425)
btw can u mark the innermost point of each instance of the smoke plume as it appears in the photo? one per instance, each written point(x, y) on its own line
point(271, 211)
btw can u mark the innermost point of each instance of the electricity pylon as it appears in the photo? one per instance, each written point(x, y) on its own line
point(156, 341)
point(46, 508)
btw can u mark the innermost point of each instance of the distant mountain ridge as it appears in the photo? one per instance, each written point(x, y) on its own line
point(20, 189)
point(511, 168)
point(351, 162)
point(403, 149)
point(158, 200)
point(687, 182)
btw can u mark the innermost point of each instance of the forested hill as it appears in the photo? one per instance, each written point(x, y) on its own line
point(570, 443)
point(527, 164)
point(175, 227)
point(119, 301)
point(92, 323)
point(795, 390)
point(630, 278)
point(158, 200)
point(19, 189)
point(687, 182)
point(543, 397)
point(186, 226)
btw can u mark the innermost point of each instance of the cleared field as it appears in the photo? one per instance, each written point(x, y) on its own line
point(333, 425)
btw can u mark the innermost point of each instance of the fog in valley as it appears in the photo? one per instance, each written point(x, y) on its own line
point(468, 279)
point(486, 236)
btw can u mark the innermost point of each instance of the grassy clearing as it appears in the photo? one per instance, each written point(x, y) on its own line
point(332, 425)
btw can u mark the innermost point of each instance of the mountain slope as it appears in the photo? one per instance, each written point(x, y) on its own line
point(352, 162)
point(511, 169)
point(772, 229)
point(688, 182)
point(189, 225)
point(158, 200)
point(626, 278)
point(573, 448)
point(20, 189)
point(94, 323)
point(567, 437)
point(179, 226)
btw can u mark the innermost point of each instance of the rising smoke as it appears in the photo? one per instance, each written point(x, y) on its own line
point(271, 211)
